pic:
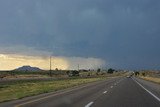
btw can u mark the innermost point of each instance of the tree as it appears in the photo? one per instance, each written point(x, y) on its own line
point(110, 71)
point(98, 71)
point(72, 73)
point(136, 73)
point(67, 72)
point(143, 74)
point(56, 69)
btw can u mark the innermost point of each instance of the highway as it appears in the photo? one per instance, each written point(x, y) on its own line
point(115, 92)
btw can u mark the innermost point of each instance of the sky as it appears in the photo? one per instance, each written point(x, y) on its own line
point(122, 34)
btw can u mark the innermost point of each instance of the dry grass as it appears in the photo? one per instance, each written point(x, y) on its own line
point(24, 89)
point(25, 76)
point(153, 79)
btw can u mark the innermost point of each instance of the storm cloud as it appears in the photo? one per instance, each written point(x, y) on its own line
point(124, 33)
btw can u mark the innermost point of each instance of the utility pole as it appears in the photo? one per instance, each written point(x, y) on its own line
point(50, 71)
point(78, 67)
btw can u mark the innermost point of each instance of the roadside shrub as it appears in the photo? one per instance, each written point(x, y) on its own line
point(143, 74)
point(137, 73)
point(110, 71)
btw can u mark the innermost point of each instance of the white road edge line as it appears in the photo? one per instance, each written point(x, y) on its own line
point(147, 90)
point(89, 104)
point(105, 92)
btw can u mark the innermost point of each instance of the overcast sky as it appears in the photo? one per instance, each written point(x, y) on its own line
point(124, 33)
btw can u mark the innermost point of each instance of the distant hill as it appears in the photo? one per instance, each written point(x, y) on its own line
point(28, 68)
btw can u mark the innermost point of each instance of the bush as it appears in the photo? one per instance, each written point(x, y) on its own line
point(72, 73)
point(110, 71)
point(143, 74)
point(136, 73)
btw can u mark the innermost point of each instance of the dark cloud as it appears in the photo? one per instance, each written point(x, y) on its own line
point(125, 33)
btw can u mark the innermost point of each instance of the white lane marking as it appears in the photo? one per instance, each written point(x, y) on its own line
point(111, 86)
point(147, 91)
point(105, 92)
point(89, 104)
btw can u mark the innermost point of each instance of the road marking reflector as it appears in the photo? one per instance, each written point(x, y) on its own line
point(89, 104)
point(147, 90)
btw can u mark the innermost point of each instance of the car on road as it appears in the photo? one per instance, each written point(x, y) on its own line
point(129, 76)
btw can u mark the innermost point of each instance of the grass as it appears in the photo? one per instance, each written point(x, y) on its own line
point(152, 79)
point(22, 89)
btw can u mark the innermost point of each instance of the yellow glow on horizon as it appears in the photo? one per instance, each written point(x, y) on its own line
point(10, 62)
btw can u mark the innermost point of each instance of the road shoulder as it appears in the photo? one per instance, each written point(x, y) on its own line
point(151, 86)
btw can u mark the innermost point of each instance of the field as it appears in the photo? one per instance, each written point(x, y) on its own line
point(30, 74)
point(22, 89)
point(54, 74)
point(16, 85)
point(153, 79)
point(151, 76)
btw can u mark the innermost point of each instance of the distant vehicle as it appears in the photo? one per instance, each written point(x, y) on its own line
point(129, 76)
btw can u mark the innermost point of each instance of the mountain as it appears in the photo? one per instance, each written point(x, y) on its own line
point(28, 68)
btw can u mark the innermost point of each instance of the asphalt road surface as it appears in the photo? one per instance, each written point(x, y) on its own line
point(116, 92)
